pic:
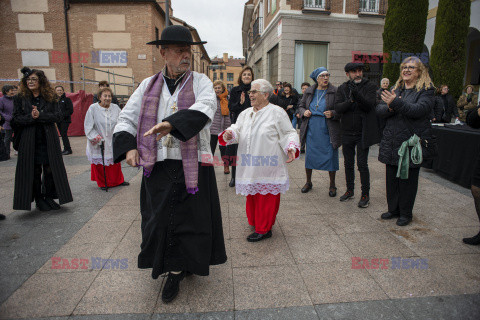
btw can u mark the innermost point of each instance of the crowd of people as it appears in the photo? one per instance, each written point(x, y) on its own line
point(173, 121)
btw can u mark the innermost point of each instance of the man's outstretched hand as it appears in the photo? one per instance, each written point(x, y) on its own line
point(161, 129)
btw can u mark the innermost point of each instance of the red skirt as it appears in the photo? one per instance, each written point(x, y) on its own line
point(262, 211)
point(113, 172)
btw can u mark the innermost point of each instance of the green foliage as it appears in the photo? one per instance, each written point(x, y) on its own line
point(448, 56)
point(405, 27)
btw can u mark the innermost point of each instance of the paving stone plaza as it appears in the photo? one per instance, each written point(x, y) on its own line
point(307, 270)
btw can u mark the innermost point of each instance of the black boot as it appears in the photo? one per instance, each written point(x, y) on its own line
point(172, 286)
point(232, 181)
point(53, 205)
point(42, 205)
point(403, 221)
point(2, 217)
point(475, 240)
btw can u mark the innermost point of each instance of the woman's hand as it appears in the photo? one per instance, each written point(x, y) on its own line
point(291, 155)
point(162, 129)
point(35, 113)
point(96, 140)
point(242, 98)
point(328, 114)
point(307, 113)
point(228, 135)
point(388, 96)
point(290, 106)
point(133, 158)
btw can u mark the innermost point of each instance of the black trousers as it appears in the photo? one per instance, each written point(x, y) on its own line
point(63, 128)
point(349, 142)
point(213, 145)
point(47, 181)
point(401, 193)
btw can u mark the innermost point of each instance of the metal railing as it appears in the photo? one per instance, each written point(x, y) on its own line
point(111, 78)
point(257, 28)
point(316, 4)
point(372, 6)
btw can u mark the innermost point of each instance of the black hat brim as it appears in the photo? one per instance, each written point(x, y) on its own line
point(164, 42)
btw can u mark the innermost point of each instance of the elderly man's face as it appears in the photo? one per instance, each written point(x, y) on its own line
point(385, 84)
point(177, 58)
point(257, 98)
point(355, 75)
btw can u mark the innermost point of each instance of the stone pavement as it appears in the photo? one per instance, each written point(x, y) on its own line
point(303, 272)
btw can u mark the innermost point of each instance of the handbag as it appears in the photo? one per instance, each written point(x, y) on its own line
point(429, 145)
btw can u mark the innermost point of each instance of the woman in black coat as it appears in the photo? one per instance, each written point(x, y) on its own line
point(449, 104)
point(36, 139)
point(407, 110)
point(239, 101)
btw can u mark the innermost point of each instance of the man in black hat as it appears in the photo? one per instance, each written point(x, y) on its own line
point(356, 100)
point(164, 128)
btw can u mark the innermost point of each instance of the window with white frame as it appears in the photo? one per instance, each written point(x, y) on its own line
point(371, 6)
point(315, 4)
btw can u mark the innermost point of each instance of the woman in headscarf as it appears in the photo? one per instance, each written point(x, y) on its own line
point(320, 129)
point(239, 101)
point(36, 139)
point(99, 124)
point(220, 122)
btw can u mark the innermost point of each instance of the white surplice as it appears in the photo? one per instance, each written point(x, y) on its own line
point(100, 121)
point(264, 138)
point(205, 102)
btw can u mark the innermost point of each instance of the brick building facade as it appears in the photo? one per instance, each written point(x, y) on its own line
point(286, 39)
point(104, 34)
point(226, 69)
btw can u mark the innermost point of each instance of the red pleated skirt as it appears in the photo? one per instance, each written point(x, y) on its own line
point(113, 172)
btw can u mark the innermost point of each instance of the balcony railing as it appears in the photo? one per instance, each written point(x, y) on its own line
point(373, 7)
point(257, 28)
point(316, 5)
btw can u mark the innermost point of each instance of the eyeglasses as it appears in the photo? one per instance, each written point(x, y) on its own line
point(32, 79)
point(253, 91)
point(324, 75)
point(409, 68)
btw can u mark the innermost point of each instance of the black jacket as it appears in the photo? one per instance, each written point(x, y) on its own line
point(283, 102)
point(234, 102)
point(357, 109)
point(411, 112)
point(333, 124)
point(23, 121)
point(450, 108)
point(66, 108)
point(473, 119)
point(437, 111)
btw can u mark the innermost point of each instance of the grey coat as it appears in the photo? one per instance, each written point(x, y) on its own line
point(219, 123)
point(333, 124)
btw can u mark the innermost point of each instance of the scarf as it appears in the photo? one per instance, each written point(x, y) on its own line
point(404, 153)
point(223, 102)
point(147, 146)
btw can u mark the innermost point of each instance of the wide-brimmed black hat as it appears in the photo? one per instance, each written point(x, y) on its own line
point(176, 35)
point(354, 66)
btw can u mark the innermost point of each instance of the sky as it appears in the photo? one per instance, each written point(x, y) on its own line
point(219, 22)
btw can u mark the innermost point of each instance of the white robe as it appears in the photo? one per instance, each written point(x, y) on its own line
point(264, 138)
point(100, 121)
point(205, 102)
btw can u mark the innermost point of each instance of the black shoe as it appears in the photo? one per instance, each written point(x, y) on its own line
point(254, 237)
point(302, 150)
point(348, 195)
point(364, 201)
point(307, 187)
point(52, 203)
point(125, 183)
point(475, 241)
point(2, 217)
point(403, 221)
point(232, 183)
point(42, 205)
point(104, 188)
point(389, 215)
point(332, 192)
point(67, 152)
point(172, 286)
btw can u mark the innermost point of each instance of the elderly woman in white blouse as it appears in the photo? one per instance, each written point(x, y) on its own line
point(266, 142)
point(100, 122)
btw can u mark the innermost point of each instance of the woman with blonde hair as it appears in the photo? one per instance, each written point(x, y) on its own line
point(35, 113)
point(407, 109)
point(221, 121)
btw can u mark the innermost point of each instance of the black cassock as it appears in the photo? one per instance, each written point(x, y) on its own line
point(23, 122)
point(180, 231)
